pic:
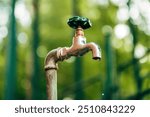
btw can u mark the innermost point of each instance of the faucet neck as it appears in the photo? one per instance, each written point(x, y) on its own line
point(79, 32)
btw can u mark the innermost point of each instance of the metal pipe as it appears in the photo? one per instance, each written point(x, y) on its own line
point(78, 48)
point(51, 74)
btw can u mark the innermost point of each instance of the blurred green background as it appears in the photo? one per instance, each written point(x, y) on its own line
point(29, 29)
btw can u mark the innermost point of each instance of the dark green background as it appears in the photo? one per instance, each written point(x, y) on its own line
point(29, 29)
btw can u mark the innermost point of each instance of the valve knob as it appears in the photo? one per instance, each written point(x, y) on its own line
point(78, 21)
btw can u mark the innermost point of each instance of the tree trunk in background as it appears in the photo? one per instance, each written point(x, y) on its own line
point(35, 76)
point(136, 66)
point(11, 57)
point(109, 67)
point(79, 93)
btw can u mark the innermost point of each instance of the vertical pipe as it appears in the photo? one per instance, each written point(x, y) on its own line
point(51, 74)
point(11, 57)
point(79, 93)
point(51, 86)
point(109, 67)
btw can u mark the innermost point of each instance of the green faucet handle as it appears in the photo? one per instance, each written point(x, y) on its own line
point(78, 21)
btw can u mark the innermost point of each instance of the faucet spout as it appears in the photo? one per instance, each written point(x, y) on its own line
point(96, 52)
point(80, 47)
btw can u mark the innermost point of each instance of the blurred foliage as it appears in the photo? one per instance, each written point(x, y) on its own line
point(128, 65)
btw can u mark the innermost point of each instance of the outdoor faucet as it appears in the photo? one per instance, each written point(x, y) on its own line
point(78, 48)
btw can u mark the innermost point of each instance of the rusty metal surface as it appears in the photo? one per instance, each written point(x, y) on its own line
point(78, 48)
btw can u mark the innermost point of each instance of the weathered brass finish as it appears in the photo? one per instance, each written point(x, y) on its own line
point(78, 48)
